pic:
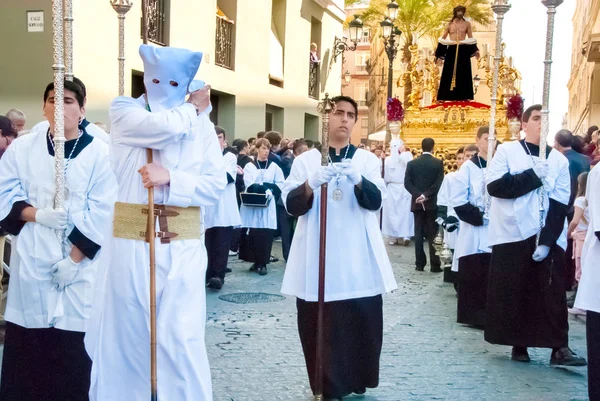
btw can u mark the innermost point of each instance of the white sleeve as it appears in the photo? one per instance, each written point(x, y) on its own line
point(498, 167)
point(204, 187)
point(373, 174)
point(101, 196)
point(249, 174)
point(11, 189)
point(133, 125)
point(562, 186)
point(279, 178)
point(593, 189)
point(230, 162)
point(459, 190)
point(297, 177)
point(442, 197)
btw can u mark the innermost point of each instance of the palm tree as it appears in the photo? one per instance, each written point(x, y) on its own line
point(421, 18)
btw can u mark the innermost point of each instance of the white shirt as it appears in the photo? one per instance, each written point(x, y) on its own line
point(581, 203)
point(261, 217)
point(513, 220)
point(91, 129)
point(226, 212)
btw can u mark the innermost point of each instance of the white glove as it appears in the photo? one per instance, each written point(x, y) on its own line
point(486, 221)
point(350, 172)
point(439, 221)
point(56, 219)
point(541, 252)
point(322, 176)
point(64, 273)
point(541, 168)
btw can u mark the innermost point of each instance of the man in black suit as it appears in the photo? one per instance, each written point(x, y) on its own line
point(423, 180)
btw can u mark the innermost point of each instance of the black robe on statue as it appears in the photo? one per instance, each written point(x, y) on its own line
point(464, 77)
point(526, 303)
point(353, 329)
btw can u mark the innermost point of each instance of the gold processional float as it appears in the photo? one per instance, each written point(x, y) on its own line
point(454, 124)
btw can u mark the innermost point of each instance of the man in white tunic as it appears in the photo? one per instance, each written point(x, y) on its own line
point(52, 283)
point(398, 220)
point(187, 174)
point(526, 303)
point(588, 292)
point(468, 199)
point(358, 270)
point(220, 220)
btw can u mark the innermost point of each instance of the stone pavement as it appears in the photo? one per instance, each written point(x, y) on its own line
point(255, 352)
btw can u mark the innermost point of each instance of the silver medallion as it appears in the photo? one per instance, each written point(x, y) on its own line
point(338, 194)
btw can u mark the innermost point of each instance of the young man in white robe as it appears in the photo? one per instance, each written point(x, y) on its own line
point(187, 174)
point(447, 217)
point(50, 298)
point(526, 303)
point(358, 270)
point(220, 220)
point(588, 297)
point(398, 220)
point(468, 198)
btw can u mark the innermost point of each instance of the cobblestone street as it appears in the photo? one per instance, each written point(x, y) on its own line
point(255, 352)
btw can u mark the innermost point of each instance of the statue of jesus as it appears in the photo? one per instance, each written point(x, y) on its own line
point(456, 83)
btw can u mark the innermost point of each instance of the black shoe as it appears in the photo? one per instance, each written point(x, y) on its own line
point(253, 268)
point(436, 270)
point(520, 354)
point(262, 270)
point(360, 391)
point(565, 357)
point(273, 259)
point(228, 270)
point(215, 283)
point(419, 269)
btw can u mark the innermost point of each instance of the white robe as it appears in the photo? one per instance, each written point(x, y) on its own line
point(398, 220)
point(514, 220)
point(357, 263)
point(468, 187)
point(443, 199)
point(226, 212)
point(261, 217)
point(118, 340)
point(27, 174)
point(91, 129)
point(588, 292)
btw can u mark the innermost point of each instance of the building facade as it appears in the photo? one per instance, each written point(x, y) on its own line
point(584, 83)
point(255, 57)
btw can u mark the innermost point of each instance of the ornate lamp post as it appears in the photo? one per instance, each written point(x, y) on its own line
point(391, 37)
point(355, 31)
point(121, 7)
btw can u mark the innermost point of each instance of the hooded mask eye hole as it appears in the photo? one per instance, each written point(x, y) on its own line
point(173, 83)
point(155, 81)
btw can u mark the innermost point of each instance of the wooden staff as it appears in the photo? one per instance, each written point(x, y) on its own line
point(151, 247)
point(325, 107)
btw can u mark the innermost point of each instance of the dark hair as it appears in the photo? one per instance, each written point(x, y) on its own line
point(70, 86)
point(251, 141)
point(8, 129)
point(310, 143)
point(582, 184)
point(482, 131)
point(578, 144)
point(348, 99)
point(457, 9)
point(531, 109)
point(261, 134)
point(274, 137)
point(471, 148)
point(220, 131)
point(318, 146)
point(427, 144)
point(590, 131)
point(297, 144)
point(240, 144)
point(564, 138)
point(262, 142)
point(231, 149)
point(82, 85)
point(460, 150)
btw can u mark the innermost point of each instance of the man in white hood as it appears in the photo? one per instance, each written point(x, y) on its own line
point(187, 174)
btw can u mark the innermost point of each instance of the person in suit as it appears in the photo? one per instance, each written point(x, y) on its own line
point(424, 176)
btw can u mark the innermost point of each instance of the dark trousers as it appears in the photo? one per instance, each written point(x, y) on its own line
point(570, 266)
point(218, 242)
point(256, 244)
point(235, 240)
point(425, 228)
point(285, 222)
point(593, 346)
point(44, 364)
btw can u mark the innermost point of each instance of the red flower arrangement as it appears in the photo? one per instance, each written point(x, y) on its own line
point(514, 107)
point(395, 111)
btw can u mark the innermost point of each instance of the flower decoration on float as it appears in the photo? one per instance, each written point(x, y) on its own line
point(395, 116)
point(514, 114)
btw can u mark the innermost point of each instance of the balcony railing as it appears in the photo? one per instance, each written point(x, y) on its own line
point(224, 43)
point(362, 69)
point(157, 21)
point(361, 103)
point(313, 81)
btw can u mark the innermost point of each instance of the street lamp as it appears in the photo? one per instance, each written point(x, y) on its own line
point(355, 30)
point(347, 77)
point(391, 38)
point(122, 7)
point(476, 82)
point(392, 10)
